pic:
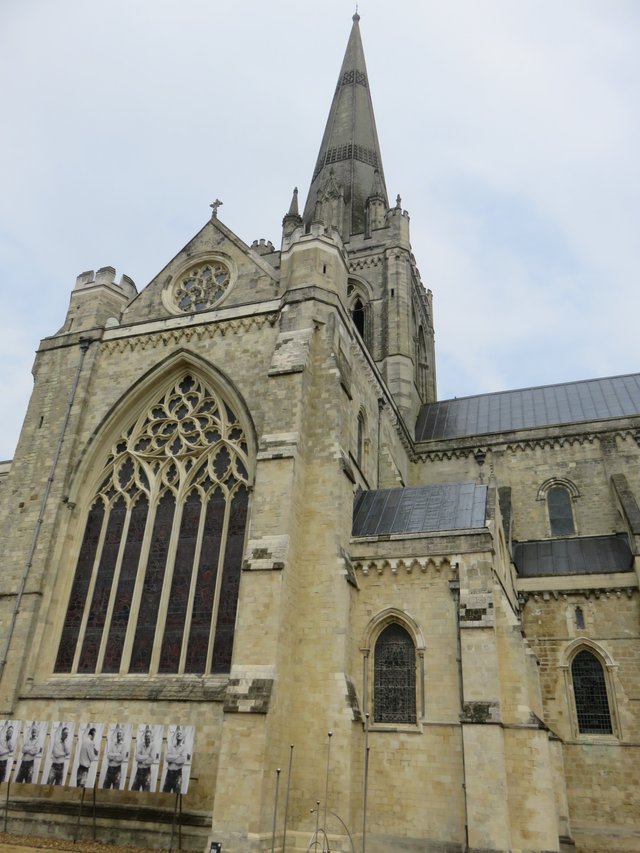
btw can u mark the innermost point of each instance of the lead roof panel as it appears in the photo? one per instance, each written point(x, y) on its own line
point(583, 555)
point(526, 408)
point(421, 509)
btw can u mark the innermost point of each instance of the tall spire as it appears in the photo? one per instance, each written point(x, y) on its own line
point(350, 152)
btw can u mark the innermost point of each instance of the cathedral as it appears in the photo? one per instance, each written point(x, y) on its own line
point(241, 529)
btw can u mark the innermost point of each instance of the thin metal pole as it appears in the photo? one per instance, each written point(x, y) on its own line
point(275, 811)
point(326, 782)
point(286, 802)
point(173, 822)
point(317, 822)
point(180, 823)
point(75, 834)
point(366, 783)
point(6, 802)
point(94, 811)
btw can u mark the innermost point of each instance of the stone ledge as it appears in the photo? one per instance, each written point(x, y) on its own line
point(154, 688)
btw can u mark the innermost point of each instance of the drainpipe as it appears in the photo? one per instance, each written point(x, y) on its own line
point(84, 346)
point(454, 586)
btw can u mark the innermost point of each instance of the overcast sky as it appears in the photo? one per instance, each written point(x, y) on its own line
point(511, 129)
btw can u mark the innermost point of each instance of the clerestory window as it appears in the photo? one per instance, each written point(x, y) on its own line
point(590, 693)
point(560, 511)
point(394, 676)
point(156, 582)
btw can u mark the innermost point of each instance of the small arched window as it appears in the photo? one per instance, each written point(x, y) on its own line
point(590, 693)
point(560, 512)
point(357, 314)
point(394, 676)
point(360, 440)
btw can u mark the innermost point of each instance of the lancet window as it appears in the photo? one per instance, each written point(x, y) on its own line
point(156, 583)
point(590, 693)
point(394, 676)
point(560, 511)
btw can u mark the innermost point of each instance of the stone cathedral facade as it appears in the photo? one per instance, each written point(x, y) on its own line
point(237, 504)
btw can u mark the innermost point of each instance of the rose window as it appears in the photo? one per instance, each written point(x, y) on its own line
point(202, 286)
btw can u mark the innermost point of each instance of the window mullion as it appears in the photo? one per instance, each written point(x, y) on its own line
point(216, 595)
point(114, 588)
point(167, 581)
point(89, 594)
point(192, 585)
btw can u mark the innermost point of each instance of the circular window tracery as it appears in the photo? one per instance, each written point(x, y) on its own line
point(202, 286)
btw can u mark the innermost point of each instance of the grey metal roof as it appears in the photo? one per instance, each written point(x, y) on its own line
point(547, 405)
point(584, 555)
point(423, 509)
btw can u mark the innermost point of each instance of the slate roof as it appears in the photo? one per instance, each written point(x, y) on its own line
point(546, 405)
point(421, 509)
point(585, 555)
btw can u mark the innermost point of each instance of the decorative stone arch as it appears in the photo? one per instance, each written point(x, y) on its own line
point(382, 621)
point(559, 494)
point(608, 666)
point(359, 298)
point(162, 495)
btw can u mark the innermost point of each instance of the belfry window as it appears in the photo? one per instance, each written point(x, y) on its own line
point(590, 692)
point(357, 313)
point(560, 512)
point(157, 576)
point(394, 676)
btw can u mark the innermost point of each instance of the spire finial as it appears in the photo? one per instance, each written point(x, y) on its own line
point(356, 16)
point(293, 207)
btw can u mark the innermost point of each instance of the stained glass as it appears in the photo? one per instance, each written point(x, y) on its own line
point(126, 584)
point(395, 677)
point(226, 621)
point(205, 585)
point(179, 595)
point(77, 600)
point(590, 691)
point(152, 586)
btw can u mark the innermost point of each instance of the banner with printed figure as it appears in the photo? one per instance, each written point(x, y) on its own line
point(58, 755)
point(34, 735)
point(178, 756)
point(115, 761)
point(146, 759)
point(9, 734)
point(85, 760)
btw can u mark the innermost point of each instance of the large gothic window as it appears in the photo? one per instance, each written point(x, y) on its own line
point(590, 692)
point(156, 582)
point(394, 677)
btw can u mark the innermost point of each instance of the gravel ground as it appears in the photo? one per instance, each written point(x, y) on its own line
point(37, 842)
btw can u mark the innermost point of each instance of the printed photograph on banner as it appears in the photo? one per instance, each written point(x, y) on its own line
point(30, 753)
point(178, 755)
point(9, 734)
point(58, 755)
point(115, 761)
point(146, 758)
point(85, 760)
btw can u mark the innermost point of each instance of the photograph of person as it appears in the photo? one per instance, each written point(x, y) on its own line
point(56, 762)
point(177, 760)
point(113, 772)
point(31, 751)
point(85, 761)
point(9, 734)
point(146, 759)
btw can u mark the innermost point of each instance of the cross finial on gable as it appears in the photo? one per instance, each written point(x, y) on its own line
point(214, 208)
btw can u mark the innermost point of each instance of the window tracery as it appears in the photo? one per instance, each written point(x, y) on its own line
point(158, 570)
point(202, 286)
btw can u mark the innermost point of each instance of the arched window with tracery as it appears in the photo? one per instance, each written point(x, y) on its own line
point(394, 698)
point(590, 694)
point(156, 583)
point(560, 511)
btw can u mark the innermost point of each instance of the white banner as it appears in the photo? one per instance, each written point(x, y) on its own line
point(85, 761)
point(58, 755)
point(9, 734)
point(146, 759)
point(178, 755)
point(115, 761)
point(34, 734)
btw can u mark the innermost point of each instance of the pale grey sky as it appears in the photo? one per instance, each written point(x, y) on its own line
point(511, 128)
